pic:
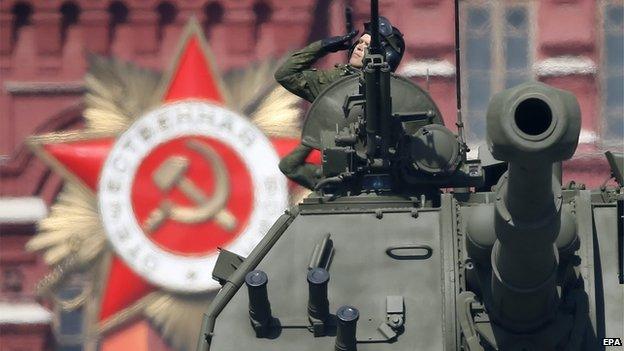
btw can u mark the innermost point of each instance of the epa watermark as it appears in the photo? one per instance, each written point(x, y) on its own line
point(611, 342)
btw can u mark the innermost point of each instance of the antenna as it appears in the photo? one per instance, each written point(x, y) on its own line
point(460, 122)
point(348, 12)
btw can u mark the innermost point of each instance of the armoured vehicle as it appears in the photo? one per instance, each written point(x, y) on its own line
point(408, 245)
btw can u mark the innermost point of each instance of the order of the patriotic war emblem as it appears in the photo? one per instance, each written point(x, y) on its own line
point(170, 168)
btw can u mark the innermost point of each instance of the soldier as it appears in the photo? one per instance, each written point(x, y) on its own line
point(298, 77)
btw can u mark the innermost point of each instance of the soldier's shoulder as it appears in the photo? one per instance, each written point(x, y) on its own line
point(343, 66)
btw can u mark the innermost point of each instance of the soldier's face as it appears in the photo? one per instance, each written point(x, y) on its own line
point(360, 49)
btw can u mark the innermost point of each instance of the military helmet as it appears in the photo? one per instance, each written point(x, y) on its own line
point(392, 42)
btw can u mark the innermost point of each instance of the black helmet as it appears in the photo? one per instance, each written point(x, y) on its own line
point(392, 42)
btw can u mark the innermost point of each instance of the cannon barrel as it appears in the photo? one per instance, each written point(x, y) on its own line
point(531, 127)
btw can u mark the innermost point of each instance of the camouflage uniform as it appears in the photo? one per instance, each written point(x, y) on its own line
point(298, 77)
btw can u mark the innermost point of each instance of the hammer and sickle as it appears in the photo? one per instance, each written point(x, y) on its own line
point(172, 174)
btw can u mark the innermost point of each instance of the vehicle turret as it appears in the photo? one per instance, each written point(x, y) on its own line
point(426, 249)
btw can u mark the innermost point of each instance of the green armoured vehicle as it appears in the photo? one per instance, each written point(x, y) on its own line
point(407, 245)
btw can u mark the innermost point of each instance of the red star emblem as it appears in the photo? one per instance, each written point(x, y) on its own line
point(80, 158)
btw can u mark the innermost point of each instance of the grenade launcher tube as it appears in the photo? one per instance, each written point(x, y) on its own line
point(237, 279)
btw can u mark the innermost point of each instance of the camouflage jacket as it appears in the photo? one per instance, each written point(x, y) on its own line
point(298, 76)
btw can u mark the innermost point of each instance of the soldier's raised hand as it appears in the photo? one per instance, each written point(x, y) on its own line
point(341, 42)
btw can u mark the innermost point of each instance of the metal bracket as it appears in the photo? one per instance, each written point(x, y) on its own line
point(395, 312)
point(351, 101)
point(227, 263)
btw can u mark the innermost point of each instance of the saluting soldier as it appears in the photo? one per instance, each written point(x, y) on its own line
point(299, 77)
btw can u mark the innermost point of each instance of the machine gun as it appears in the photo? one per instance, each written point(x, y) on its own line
point(388, 135)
